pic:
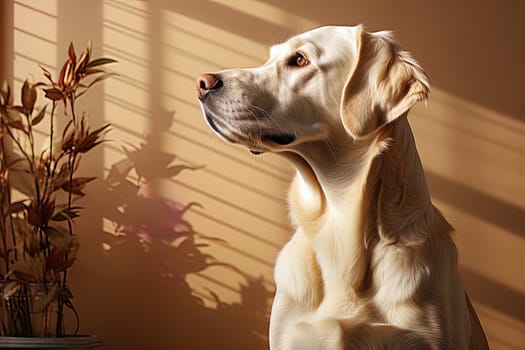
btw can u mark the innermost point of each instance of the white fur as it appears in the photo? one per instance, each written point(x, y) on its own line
point(371, 264)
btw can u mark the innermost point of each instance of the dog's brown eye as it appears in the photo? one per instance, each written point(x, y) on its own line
point(298, 60)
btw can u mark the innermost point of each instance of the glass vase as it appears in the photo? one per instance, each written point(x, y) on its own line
point(29, 312)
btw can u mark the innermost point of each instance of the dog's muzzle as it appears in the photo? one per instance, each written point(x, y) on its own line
point(208, 84)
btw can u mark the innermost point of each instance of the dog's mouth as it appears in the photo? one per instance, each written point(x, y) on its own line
point(257, 143)
point(211, 122)
point(280, 139)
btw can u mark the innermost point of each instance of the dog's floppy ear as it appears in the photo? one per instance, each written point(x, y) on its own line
point(383, 84)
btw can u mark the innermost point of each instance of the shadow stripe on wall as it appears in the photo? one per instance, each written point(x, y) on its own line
point(494, 294)
point(479, 204)
point(232, 205)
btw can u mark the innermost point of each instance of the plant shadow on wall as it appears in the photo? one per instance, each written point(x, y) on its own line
point(156, 228)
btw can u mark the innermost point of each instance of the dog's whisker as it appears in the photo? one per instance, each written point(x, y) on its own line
point(269, 117)
point(331, 149)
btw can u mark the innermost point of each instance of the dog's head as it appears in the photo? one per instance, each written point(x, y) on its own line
point(314, 84)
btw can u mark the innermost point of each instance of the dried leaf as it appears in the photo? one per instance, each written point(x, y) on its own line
point(59, 237)
point(19, 109)
point(47, 75)
point(5, 92)
point(79, 93)
point(61, 178)
point(92, 139)
point(82, 61)
point(29, 268)
point(66, 67)
point(14, 113)
point(66, 214)
point(13, 162)
point(39, 216)
point(9, 289)
point(65, 294)
point(40, 84)
point(68, 138)
point(100, 62)
point(64, 249)
point(72, 252)
point(48, 210)
point(101, 78)
point(28, 97)
point(71, 52)
point(52, 295)
point(80, 68)
point(54, 94)
point(32, 216)
point(17, 124)
point(16, 207)
point(32, 244)
point(39, 117)
point(89, 49)
point(90, 71)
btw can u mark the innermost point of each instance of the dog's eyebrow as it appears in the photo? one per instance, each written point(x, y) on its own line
point(296, 42)
point(312, 46)
point(293, 44)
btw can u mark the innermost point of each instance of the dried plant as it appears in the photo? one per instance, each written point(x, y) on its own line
point(38, 190)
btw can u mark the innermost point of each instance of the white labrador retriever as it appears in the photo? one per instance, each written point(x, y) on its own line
point(371, 264)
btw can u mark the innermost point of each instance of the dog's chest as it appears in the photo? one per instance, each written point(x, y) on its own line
point(396, 274)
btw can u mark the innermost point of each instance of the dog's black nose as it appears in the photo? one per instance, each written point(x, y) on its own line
point(207, 83)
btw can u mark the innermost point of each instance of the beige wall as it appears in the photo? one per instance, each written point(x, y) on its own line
point(154, 275)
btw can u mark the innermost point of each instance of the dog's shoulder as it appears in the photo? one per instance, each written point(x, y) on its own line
point(297, 272)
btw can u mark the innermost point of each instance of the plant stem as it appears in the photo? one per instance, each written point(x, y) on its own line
point(3, 227)
point(71, 161)
point(5, 206)
point(8, 198)
point(32, 164)
point(73, 113)
point(49, 172)
point(31, 137)
point(60, 314)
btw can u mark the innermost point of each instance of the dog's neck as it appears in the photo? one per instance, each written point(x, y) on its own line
point(361, 192)
point(383, 171)
point(404, 208)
